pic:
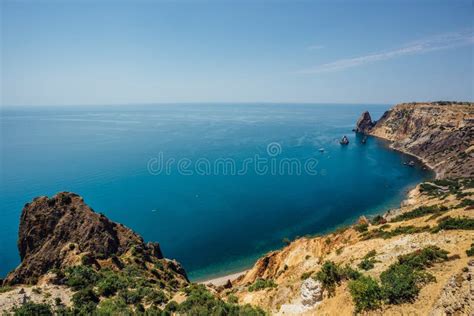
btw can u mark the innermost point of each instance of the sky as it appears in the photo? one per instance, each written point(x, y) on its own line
point(125, 52)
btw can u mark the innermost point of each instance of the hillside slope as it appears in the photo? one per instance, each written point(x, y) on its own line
point(388, 239)
point(353, 268)
point(441, 134)
point(75, 261)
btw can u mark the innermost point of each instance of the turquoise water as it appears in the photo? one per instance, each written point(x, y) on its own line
point(214, 223)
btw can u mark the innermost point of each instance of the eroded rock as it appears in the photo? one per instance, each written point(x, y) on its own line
point(311, 292)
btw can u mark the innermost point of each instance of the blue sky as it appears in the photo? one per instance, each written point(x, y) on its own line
point(119, 52)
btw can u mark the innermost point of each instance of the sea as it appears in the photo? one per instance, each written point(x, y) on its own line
point(217, 185)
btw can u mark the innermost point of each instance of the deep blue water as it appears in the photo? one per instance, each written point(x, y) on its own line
point(215, 223)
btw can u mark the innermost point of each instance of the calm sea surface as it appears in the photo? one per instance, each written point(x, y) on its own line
point(213, 221)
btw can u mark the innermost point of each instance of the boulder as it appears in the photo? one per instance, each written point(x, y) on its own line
point(311, 292)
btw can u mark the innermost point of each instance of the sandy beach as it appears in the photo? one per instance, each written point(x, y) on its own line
point(223, 279)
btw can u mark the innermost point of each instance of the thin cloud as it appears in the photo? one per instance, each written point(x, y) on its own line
point(439, 42)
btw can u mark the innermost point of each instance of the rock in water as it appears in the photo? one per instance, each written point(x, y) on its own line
point(364, 123)
point(62, 231)
point(344, 140)
point(311, 292)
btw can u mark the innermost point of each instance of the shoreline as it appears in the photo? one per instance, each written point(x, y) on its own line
point(422, 160)
point(222, 280)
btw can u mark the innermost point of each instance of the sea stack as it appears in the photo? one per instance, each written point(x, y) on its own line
point(344, 140)
point(364, 123)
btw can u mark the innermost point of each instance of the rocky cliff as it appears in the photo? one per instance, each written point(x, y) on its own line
point(354, 266)
point(441, 134)
point(416, 259)
point(75, 261)
point(364, 123)
point(62, 231)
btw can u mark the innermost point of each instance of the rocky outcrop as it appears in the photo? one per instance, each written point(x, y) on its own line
point(311, 292)
point(364, 123)
point(457, 297)
point(62, 231)
point(440, 134)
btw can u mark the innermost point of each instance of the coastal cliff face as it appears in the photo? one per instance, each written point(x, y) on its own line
point(369, 267)
point(441, 134)
point(61, 231)
point(371, 250)
point(75, 261)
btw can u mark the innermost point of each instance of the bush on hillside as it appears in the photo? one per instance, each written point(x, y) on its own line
point(30, 308)
point(450, 223)
point(80, 277)
point(330, 276)
point(470, 252)
point(424, 258)
point(261, 284)
point(366, 294)
point(399, 284)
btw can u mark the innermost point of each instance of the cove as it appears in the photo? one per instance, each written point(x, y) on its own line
point(216, 223)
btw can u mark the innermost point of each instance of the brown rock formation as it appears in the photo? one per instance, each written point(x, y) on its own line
point(364, 123)
point(439, 133)
point(57, 232)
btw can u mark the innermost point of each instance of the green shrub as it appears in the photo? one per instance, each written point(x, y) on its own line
point(367, 264)
point(362, 227)
point(156, 297)
point(400, 230)
point(131, 296)
point(420, 212)
point(424, 258)
point(330, 276)
point(80, 277)
point(399, 284)
point(401, 281)
point(261, 284)
point(429, 189)
point(85, 300)
point(378, 220)
point(348, 273)
point(200, 301)
point(5, 288)
point(113, 306)
point(30, 308)
point(450, 223)
point(465, 202)
point(306, 275)
point(110, 282)
point(366, 294)
point(370, 254)
point(232, 299)
point(171, 307)
point(470, 252)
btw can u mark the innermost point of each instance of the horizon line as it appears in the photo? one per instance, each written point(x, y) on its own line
point(224, 103)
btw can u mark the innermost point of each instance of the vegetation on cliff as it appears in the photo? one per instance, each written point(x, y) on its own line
point(108, 268)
